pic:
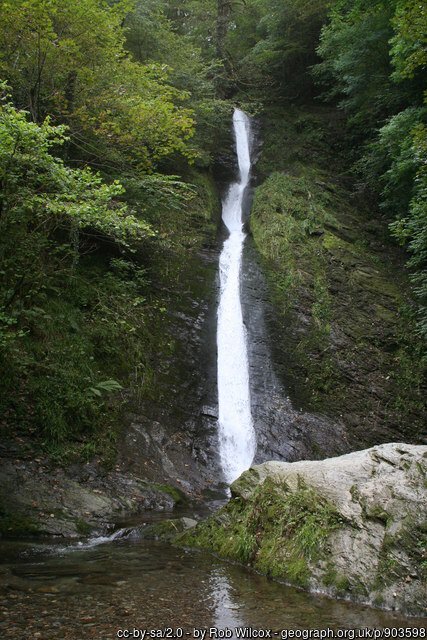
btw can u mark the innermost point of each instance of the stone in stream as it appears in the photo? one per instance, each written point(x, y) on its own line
point(353, 526)
point(164, 531)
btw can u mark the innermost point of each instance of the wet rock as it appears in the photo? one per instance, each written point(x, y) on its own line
point(283, 432)
point(172, 437)
point(166, 530)
point(75, 504)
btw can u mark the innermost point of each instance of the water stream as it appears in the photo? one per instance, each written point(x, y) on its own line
point(92, 593)
point(236, 433)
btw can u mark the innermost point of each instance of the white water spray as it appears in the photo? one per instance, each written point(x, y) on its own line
point(236, 433)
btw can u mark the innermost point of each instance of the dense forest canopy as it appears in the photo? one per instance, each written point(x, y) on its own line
point(112, 110)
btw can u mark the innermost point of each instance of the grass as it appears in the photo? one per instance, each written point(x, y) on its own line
point(278, 532)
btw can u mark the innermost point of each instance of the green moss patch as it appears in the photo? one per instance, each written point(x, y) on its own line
point(278, 532)
point(16, 524)
point(83, 527)
point(176, 494)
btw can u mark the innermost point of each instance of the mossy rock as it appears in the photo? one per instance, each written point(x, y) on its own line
point(167, 530)
point(277, 531)
point(176, 494)
point(83, 527)
point(17, 524)
point(339, 291)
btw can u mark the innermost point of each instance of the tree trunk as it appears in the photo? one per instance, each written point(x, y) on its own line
point(223, 16)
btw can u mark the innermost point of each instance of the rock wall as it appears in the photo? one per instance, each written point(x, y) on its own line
point(284, 431)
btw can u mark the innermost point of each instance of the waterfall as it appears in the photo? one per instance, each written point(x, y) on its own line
point(236, 433)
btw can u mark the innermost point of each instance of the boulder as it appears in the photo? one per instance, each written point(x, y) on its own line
point(353, 526)
point(77, 502)
point(164, 530)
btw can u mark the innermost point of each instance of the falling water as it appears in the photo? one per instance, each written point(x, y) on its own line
point(236, 432)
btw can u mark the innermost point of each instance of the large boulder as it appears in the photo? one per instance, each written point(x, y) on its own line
point(352, 526)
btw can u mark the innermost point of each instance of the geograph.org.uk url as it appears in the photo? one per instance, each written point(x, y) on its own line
point(353, 634)
point(251, 633)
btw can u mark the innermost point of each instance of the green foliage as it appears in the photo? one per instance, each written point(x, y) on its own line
point(111, 87)
point(409, 51)
point(50, 214)
point(175, 37)
point(271, 45)
point(68, 60)
point(356, 68)
point(411, 229)
point(41, 196)
point(373, 58)
point(48, 208)
point(391, 162)
point(75, 329)
point(129, 114)
point(46, 44)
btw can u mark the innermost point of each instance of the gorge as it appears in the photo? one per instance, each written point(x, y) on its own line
point(212, 318)
point(129, 549)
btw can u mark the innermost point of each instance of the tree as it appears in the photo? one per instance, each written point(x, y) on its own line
point(42, 200)
point(272, 43)
point(409, 44)
point(46, 44)
point(374, 56)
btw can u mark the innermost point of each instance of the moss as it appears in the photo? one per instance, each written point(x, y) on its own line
point(388, 570)
point(167, 530)
point(413, 540)
point(379, 601)
point(330, 575)
point(392, 566)
point(176, 494)
point(83, 527)
point(342, 325)
point(224, 533)
point(378, 513)
point(16, 524)
point(279, 532)
point(342, 584)
point(345, 252)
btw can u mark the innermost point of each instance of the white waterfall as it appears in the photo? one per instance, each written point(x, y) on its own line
point(236, 433)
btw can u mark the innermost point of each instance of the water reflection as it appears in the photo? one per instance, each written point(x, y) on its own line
point(225, 601)
point(91, 592)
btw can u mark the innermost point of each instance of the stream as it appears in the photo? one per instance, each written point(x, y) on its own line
point(57, 593)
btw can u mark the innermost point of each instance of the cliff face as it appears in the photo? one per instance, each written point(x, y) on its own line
point(350, 527)
point(342, 331)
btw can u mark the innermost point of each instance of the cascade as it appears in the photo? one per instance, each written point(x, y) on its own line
point(237, 440)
